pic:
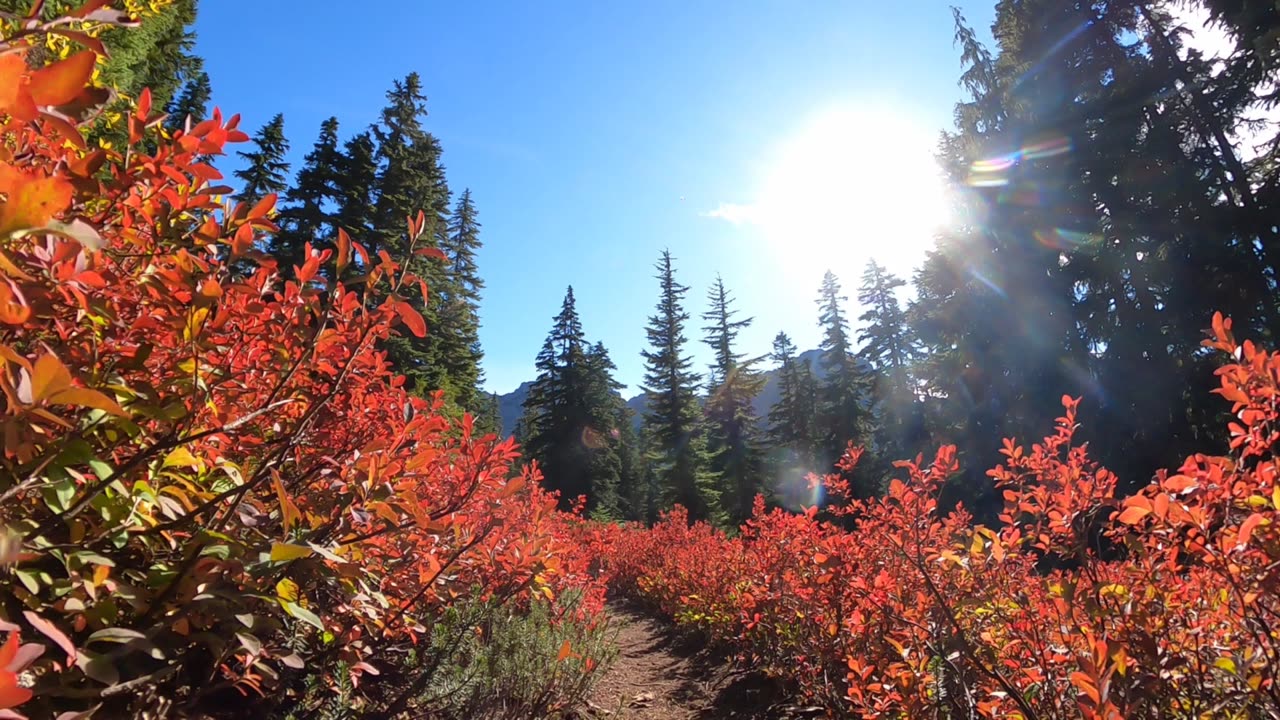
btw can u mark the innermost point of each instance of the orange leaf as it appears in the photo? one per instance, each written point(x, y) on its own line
point(33, 201)
point(263, 206)
point(565, 649)
point(1246, 528)
point(84, 397)
point(15, 95)
point(61, 82)
point(48, 377)
point(1132, 515)
point(13, 307)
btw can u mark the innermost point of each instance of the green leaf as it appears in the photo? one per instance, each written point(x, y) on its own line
point(98, 667)
point(250, 643)
point(58, 495)
point(28, 580)
point(304, 615)
point(116, 634)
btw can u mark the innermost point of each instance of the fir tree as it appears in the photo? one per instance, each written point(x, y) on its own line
point(266, 170)
point(887, 348)
point(676, 445)
point(568, 423)
point(191, 104)
point(459, 314)
point(793, 419)
point(355, 188)
point(733, 437)
point(842, 393)
point(411, 180)
point(306, 217)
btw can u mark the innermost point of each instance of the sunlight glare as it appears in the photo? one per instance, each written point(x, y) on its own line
point(851, 184)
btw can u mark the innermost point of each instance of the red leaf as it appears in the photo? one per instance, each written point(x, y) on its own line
point(565, 649)
point(344, 249)
point(412, 319)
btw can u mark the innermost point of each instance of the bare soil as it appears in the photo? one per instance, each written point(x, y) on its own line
point(662, 675)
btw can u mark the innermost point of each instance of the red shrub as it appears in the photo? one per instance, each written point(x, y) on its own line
point(908, 613)
point(214, 482)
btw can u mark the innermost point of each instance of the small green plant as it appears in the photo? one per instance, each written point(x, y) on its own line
point(508, 663)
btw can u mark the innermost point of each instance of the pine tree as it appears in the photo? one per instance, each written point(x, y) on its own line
point(676, 444)
point(266, 171)
point(307, 213)
point(733, 437)
point(569, 418)
point(793, 420)
point(888, 349)
point(843, 415)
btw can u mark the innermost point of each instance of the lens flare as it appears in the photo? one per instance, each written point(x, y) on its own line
point(993, 171)
point(1062, 239)
point(792, 487)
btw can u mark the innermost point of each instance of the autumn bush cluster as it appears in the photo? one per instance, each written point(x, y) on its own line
point(1078, 604)
point(214, 495)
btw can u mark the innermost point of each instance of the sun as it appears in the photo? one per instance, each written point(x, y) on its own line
point(851, 184)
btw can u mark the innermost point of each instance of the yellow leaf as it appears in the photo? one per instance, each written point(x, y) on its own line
point(289, 514)
point(1225, 663)
point(181, 457)
point(287, 590)
point(284, 552)
point(1275, 497)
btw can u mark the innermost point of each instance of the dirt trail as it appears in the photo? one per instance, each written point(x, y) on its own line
point(659, 676)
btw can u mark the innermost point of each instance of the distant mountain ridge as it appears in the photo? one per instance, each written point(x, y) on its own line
point(511, 405)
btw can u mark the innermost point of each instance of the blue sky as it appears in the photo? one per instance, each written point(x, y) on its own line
point(593, 135)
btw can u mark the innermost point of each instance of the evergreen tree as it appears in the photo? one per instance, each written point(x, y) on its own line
point(887, 348)
point(1146, 218)
point(306, 216)
point(459, 314)
point(158, 54)
point(266, 170)
point(411, 179)
point(191, 104)
point(632, 495)
point(602, 433)
point(569, 415)
point(355, 188)
point(489, 418)
point(793, 420)
point(843, 414)
point(733, 437)
point(675, 442)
